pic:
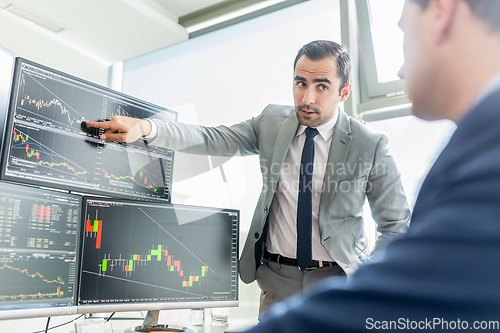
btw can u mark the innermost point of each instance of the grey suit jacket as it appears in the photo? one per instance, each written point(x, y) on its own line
point(359, 167)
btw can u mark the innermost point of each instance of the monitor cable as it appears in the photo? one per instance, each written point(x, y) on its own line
point(51, 328)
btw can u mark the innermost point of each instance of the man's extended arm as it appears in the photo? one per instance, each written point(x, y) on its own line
point(221, 140)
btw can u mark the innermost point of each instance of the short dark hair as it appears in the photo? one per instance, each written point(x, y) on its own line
point(320, 49)
point(487, 10)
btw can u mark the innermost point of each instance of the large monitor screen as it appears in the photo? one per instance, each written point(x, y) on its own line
point(48, 144)
point(39, 244)
point(147, 256)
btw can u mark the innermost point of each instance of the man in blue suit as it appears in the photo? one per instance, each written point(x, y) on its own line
point(444, 273)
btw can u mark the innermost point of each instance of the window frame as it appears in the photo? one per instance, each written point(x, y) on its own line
point(370, 86)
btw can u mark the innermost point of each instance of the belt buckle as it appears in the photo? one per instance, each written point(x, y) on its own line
point(320, 264)
point(309, 268)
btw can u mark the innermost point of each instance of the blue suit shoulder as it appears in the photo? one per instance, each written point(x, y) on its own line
point(444, 269)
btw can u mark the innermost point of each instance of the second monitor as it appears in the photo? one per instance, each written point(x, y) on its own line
point(39, 251)
point(145, 256)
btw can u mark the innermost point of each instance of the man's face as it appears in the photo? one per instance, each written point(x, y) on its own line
point(316, 90)
point(420, 69)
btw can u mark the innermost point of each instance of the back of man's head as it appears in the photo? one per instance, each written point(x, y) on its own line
point(486, 10)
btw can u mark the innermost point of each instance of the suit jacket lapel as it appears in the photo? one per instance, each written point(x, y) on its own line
point(339, 148)
point(283, 141)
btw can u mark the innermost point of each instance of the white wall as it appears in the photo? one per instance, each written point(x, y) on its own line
point(45, 47)
point(226, 77)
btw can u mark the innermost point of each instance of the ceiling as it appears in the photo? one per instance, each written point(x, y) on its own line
point(116, 30)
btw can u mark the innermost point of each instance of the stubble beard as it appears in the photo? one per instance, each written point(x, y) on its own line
point(308, 121)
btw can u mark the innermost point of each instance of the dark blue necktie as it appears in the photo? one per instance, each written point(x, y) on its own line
point(304, 207)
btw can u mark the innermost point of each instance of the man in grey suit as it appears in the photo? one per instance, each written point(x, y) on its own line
point(351, 163)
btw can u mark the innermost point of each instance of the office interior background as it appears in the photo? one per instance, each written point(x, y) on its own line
point(221, 62)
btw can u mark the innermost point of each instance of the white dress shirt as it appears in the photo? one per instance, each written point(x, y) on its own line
point(282, 233)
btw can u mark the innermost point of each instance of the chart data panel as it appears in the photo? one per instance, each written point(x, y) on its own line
point(48, 143)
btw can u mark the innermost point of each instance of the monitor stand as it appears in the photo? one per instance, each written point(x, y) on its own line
point(151, 325)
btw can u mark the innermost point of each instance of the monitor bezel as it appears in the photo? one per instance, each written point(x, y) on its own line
point(7, 66)
point(38, 309)
point(9, 125)
point(149, 306)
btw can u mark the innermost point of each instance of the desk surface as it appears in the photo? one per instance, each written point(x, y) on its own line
point(181, 318)
point(206, 329)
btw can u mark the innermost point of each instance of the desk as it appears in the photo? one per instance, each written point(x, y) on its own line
point(205, 329)
point(181, 318)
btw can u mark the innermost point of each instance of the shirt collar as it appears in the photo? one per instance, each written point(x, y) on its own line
point(492, 85)
point(325, 130)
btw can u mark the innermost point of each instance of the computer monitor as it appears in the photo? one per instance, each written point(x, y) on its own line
point(140, 256)
point(47, 142)
point(39, 244)
point(7, 62)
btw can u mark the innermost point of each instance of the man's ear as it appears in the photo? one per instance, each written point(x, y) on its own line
point(344, 93)
point(444, 12)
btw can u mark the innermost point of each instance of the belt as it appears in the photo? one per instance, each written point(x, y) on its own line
point(293, 262)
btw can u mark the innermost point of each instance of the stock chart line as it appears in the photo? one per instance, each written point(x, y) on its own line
point(162, 228)
point(121, 112)
point(44, 149)
point(159, 255)
point(41, 103)
point(56, 97)
point(111, 176)
point(128, 280)
point(145, 175)
point(37, 274)
point(58, 292)
point(39, 116)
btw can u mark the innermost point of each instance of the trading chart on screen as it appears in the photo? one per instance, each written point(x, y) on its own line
point(39, 235)
point(135, 252)
point(49, 144)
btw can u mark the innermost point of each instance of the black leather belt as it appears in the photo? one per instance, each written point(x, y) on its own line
point(293, 262)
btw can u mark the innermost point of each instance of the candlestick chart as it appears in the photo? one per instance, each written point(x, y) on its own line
point(122, 171)
point(158, 252)
point(36, 278)
point(119, 107)
point(42, 154)
point(46, 100)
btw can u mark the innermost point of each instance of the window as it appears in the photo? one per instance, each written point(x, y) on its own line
point(387, 38)
point(381, 47)
point(415, 145)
